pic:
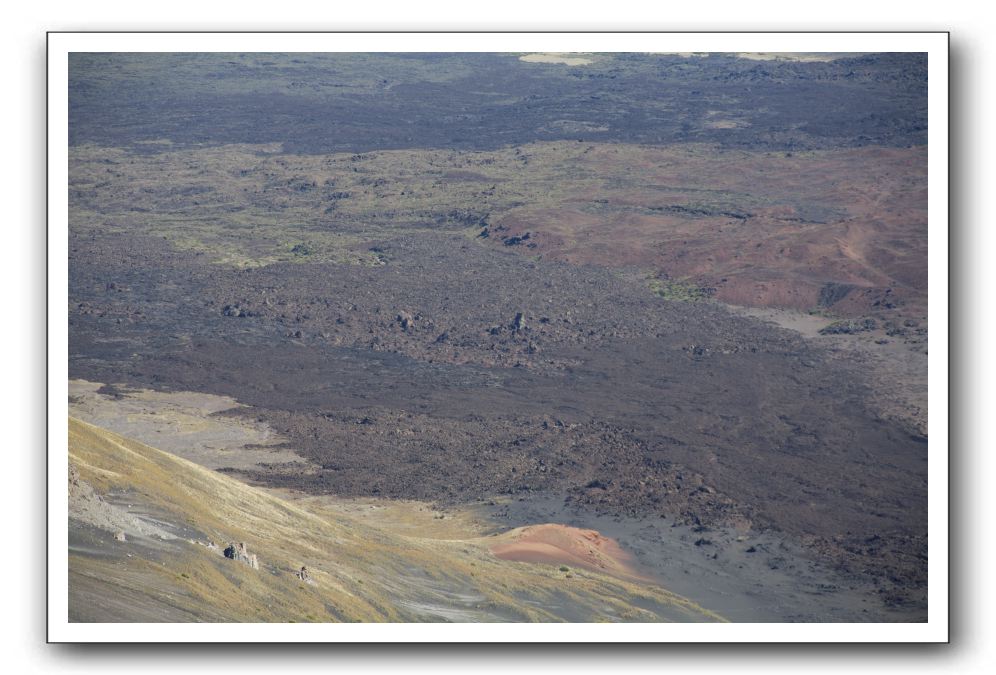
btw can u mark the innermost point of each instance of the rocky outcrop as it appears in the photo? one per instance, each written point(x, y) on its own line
point(240, 553)
point(406, 321)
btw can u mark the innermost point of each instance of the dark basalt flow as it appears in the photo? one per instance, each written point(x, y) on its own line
point(321, 103)
point(456, 372)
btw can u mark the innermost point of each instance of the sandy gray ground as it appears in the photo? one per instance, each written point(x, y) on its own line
point(750, 577)
point(180, 423)
point(896, 367)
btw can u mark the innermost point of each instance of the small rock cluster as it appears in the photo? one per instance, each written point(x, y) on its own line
point(241, 553)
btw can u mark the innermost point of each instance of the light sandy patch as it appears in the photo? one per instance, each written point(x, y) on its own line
point(552, 57)
point(686, 55)
point(809, 325)
point(804, 57)
point(725, 124)
point(182, 423)
point(896, 374)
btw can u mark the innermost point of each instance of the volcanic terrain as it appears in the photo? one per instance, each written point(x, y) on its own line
point(629, 343)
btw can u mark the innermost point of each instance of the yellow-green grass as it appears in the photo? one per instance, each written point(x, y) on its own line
point(361, 572)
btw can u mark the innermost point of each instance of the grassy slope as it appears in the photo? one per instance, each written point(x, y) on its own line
point(361, 572)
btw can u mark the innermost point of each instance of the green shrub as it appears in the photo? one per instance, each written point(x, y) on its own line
point(679, 291)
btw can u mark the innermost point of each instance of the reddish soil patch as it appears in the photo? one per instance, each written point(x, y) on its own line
point(563, 545)
point(843, 228)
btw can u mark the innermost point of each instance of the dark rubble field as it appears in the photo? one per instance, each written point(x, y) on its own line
point(319, 103)
point(363, 306)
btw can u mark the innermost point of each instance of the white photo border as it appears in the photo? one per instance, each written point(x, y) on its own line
point(60, 45)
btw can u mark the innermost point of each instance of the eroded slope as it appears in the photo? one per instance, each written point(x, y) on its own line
point(142, 525)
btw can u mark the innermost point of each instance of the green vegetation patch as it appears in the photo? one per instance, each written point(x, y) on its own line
point(679, 291)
